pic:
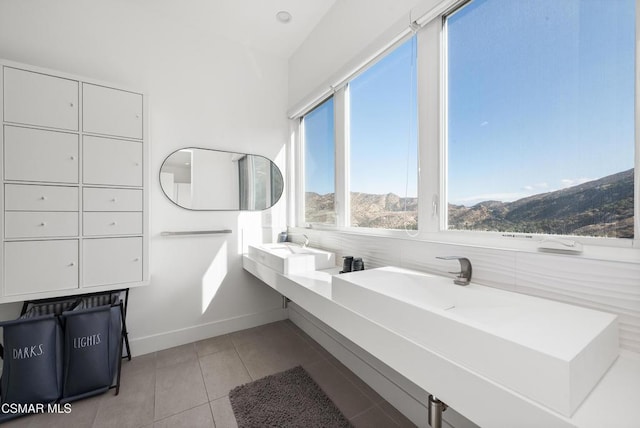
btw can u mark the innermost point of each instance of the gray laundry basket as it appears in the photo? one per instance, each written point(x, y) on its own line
point(32, 362)
point(56, 306)
point(92, 349)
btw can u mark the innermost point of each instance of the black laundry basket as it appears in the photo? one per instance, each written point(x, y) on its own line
point(32, 361)
point(92, 348)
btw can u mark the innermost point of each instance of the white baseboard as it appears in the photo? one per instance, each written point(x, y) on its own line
point(399, 391)
point(157, 342)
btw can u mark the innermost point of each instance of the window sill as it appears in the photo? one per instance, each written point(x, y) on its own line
point(620, 250)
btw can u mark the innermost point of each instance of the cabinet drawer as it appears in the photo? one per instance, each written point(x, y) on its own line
point(37, 155)
point(26, 197)
point(111, 111)
point(105, 199)
point(39, 99)
point(38, 224)
point(112, 261)
point(112, 223)
point(37, 266)
point(109, 161)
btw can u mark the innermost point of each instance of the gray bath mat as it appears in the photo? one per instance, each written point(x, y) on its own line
point(288, 399)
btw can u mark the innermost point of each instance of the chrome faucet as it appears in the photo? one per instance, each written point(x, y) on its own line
point(464, 276)
point(306, 238)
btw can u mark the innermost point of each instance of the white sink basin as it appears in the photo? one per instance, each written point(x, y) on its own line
point(288, 258)
point(550, 352)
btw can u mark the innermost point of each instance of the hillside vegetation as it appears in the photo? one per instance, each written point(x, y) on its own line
point(602, 207)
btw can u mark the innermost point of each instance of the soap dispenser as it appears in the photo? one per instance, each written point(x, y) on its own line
point(357, 264)
point(352, 264)
point(347, 264)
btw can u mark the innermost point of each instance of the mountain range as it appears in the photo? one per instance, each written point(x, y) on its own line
point(602, 207)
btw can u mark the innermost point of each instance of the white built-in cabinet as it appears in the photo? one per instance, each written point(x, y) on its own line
point(74, 203)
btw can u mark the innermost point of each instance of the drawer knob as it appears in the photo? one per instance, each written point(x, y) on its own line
point(72, 264)
point(71, 104)
point(137, 164)
point(43, 224)
point(113, 223)
point(137, 116)
point(137, 259)
point(114, 199)
point(43, 198)
point(72, 157)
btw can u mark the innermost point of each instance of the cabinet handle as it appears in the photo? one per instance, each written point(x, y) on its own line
point(71, 104)
point(137, 116)
point(114, 199)
point(72, 157)
point(113, 223)
point(43, 224)
point(43, 198)
point(72, 264)
point(137, 259)
point(137, 164)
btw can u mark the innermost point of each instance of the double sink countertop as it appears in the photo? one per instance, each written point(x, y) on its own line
point(535, 362)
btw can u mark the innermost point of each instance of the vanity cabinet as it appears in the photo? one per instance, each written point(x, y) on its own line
point(39, 155)
point(111, 161)
point(74, 200)
point(110, 199)
point(28, 197)
point(112, 261)
point(40, 266)
point(40, 224)
point(110, 111)
point(40, 99)
point(112, 223)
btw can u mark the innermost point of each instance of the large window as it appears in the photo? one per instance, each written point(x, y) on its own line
point(383, 143)
point(319, 164)
point(540, 117)
point(527, 128)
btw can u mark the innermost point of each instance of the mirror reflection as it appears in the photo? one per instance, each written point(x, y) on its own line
point(204, 179)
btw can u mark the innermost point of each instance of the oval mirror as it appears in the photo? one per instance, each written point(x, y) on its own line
point(205, 179)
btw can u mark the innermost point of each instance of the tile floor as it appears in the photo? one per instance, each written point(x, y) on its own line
point(187, 386)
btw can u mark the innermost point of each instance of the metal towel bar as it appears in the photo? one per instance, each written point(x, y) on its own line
point(197, 232)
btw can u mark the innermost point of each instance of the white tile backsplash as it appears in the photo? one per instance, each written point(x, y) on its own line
point(610, 286)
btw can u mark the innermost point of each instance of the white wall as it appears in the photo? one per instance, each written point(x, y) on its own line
point(345, 31)
point(211, 93)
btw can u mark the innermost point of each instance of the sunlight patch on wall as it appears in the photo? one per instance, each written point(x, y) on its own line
point(213, 277)
point(249, 230)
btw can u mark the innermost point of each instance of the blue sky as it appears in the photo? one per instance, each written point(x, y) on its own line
point(540, 94)
point(319, 162)
point(383, 131)
point(384, 140)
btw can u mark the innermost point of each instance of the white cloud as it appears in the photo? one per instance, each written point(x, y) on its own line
point(485, 123)
point(536, 187)
point(527, 190)
point(569, 182)
point(504, 197)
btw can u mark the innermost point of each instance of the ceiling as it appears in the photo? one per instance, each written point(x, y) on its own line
point(249, 22)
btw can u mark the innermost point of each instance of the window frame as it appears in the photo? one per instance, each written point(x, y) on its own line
point(299, 168)
point(521, 241)
point(431, 70)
